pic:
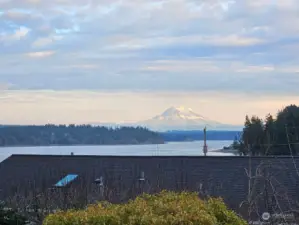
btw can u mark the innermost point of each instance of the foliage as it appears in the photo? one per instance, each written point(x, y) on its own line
point(278, 136)
point(75, 135)
point(164, 208)
point(10, 217)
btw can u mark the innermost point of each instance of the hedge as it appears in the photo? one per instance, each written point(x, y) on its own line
point(164, 208)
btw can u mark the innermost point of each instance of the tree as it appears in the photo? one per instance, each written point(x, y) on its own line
point(269, 134)
point(278, 136)
point(287, 124)
point(75, 135)
point(252, 134)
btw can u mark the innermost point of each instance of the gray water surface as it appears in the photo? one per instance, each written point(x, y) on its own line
point(168, 149)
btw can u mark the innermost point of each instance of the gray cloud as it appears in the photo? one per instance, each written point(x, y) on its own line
point(183, 45)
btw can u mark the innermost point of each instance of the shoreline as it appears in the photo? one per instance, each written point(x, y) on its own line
point(221, 150)
point(77, 145)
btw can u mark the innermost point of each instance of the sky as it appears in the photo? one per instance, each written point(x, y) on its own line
point(75, 61)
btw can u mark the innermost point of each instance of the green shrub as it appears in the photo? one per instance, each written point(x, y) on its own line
point(164, 208)
point(10, 217)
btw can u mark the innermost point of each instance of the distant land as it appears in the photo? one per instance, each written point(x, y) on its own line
point(196, 135)
point(175, 124)
point(55, 135)
point(63, 135)
point(178, 118)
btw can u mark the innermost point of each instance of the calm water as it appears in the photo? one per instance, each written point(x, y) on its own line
point(171, 148)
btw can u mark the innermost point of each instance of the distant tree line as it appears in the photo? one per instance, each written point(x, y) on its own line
point(196, 135)
point(271, 136)
point(75, 135)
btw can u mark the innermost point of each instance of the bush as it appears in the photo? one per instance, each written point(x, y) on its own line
point(164, 208)
point(10, 217)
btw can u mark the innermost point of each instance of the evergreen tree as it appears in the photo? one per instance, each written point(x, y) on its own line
point(278, 136)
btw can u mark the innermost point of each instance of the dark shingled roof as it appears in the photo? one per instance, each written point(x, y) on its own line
point(273, 183)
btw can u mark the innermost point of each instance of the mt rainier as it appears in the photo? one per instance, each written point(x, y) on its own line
point(182, 118)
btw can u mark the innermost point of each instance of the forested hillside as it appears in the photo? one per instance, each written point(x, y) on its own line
point(272, 136)
point(75, 135)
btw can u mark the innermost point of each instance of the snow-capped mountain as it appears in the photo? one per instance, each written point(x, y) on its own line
point(180, 113)
point(182, 118)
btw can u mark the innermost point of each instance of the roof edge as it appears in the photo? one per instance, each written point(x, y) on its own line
point(144, 156)
point(6, 159)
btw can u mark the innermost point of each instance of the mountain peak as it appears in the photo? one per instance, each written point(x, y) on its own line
point(180, 112)
point(181, 118)
point(181, 108)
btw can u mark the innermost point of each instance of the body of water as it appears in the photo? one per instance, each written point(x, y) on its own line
point(168, 149)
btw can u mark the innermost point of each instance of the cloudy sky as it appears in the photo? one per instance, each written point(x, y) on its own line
point(65, 61)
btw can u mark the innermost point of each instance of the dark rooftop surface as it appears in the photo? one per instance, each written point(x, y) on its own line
point(273, 182)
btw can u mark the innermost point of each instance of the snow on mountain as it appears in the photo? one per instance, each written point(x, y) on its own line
point(182, 118)
point(180, 113)
point(176, 118)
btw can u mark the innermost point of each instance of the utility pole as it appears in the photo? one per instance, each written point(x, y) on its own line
point(205, 147)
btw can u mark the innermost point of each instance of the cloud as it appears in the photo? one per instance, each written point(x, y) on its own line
point(131, 43)
point(20, 33)
point(40, 54)
point(178, 45)
point(15, 35)
point(45, 41)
